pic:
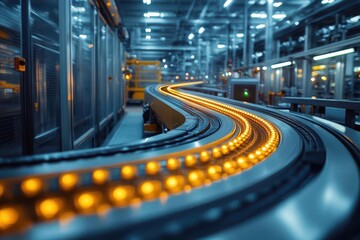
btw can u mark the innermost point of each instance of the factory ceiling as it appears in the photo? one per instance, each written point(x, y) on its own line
point(158, 27)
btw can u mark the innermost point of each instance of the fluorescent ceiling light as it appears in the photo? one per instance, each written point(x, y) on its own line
point(165, 66)
point(147, 29)
point(240, 35)
point(262, 2)
point(221, 45)
point(277, 4)
point(251, 2)
point(148, 2)
point(192, 57)
point(148, 37)
point(279, 16)
point(327, 1)
point(164, 60)
point(260, 26)
point(258, 15)
point(162, 38)
point(227, 3)
point(334, 54)
point(283, 64)
point(83, 36)
point(191, 36)
point(201, 30)
point(152, 14)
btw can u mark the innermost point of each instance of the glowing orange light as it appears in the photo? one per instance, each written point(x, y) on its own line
point(100, 176)
point(196, 178)
point(68, 181)
point(152, 168)
point(86, 201)
point(128, 172)
point(204, 156)
point(8, 217)
point(214, 172)
point(31, 186)
point(48, 208)
point(216, 153)
point(190, 161)
point(173, 164)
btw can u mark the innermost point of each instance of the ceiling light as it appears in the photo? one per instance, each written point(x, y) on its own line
point(279, 16)
point(334, 54)
point(147, 29)
point(264, 68)
point(148, 2)
point(240, 35)
point(221, 45)
point(165, 66)
point(258, 15)
point(148, 37)
point(191, 36)
point(296, 23)
point(283, 64)
point(192, 57)
point(83, 36)
point(164, 60)
point(162, 38)
point(227, 3)
point(152, 14)
point(201, 30)
point(251, 2)
point(327, 1)
point(277, 4)
point(262, 2)
point(260, 26)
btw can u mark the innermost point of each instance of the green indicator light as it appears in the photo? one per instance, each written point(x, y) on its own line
point(246, 93)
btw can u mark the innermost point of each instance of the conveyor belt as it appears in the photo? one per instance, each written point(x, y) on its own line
point(225, 168)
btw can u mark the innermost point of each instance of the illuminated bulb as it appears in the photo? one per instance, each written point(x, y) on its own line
point(128, 172)
point(100, 176)
point(190, 161)
point(174, 183)
point(204, 156)
point(228, 167)
point(68, 181)
point(150, 189)
point(195, 178)
point(8, 216)
point(86, 201)
point(214, 172)
point(232, 146)
point(216, 153)
point(252, 158)
point(48, 208)
point(119, 194)
point(224, 150)
point(152, 168)
point(31, 186)
point(173, 164)
point(242, 163)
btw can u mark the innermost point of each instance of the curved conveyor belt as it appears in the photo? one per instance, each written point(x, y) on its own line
point(225, 169)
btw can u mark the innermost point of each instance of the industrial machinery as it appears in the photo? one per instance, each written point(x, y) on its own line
point(144, 73)
point(243, 89)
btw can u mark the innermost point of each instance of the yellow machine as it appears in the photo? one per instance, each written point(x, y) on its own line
point(144, 73)
point(14, 87)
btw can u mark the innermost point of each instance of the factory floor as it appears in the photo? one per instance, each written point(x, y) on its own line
point(129, 129)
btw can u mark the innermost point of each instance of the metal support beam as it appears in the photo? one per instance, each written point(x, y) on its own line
point(164, 48)
point(65, 76)
point(269, 31)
